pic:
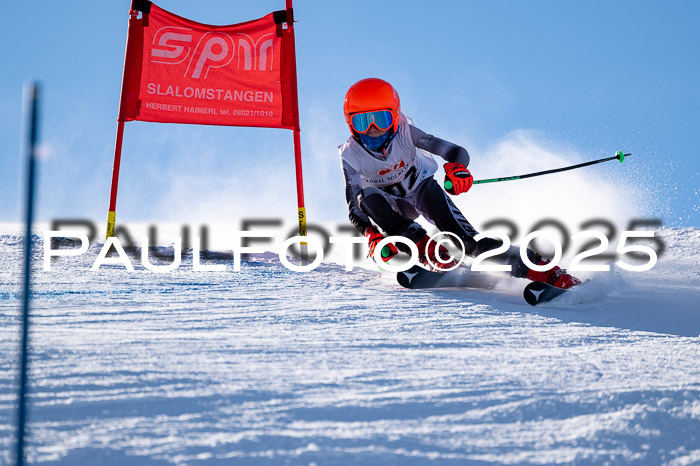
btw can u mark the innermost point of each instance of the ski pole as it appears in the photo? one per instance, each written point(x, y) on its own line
point(32, 112)
point(620, 156)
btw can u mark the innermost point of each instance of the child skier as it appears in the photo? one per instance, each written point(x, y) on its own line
point(390, 183)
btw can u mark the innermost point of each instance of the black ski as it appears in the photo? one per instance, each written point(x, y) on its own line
point(538, 292)
point(417, 278)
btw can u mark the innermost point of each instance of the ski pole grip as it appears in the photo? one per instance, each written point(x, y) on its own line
point(449, 187)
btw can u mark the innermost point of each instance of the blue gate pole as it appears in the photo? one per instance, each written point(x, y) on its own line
point(32, 102)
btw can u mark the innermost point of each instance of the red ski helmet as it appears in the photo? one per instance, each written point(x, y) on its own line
point(369, 95)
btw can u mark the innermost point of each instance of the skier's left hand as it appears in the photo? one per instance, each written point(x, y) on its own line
point(458, 180)
point(373, 239)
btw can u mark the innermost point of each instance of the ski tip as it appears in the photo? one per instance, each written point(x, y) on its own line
point(538, 292)
point(533, 291)
point(405, 278)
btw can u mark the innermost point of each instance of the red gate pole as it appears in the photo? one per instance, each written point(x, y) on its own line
point(129, 58)
point(112, 214)
point(297, 135)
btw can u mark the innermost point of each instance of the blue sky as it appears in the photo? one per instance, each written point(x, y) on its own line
point(588, 78)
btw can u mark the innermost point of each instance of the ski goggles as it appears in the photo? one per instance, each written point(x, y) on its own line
point(382, 119)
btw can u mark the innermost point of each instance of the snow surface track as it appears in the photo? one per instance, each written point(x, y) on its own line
point(269, 366)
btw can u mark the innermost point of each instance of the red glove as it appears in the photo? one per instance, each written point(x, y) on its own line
point(458, 180)
point(373, 238)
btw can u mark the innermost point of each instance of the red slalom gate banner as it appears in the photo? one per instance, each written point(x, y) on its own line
point(181, 71)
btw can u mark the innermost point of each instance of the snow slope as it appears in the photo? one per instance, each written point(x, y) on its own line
point(269, 366)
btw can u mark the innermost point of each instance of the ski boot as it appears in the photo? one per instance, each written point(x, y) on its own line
point(437, 261)
point(555, 276)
